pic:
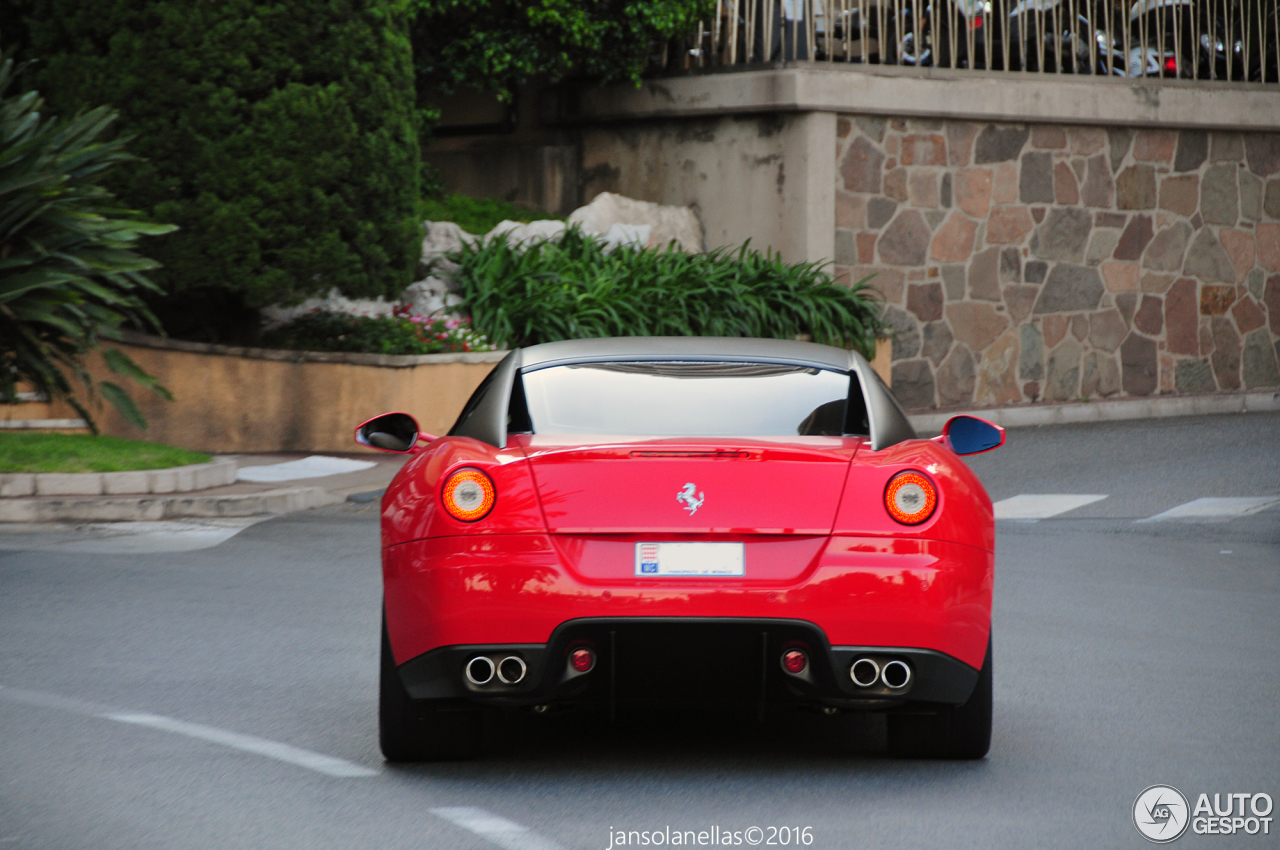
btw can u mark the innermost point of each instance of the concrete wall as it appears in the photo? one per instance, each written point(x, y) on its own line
point(230, 400)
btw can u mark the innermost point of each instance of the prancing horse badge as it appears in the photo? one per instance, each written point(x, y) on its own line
point(691, 501)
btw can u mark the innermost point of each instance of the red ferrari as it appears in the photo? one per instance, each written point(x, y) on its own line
point(618, 523)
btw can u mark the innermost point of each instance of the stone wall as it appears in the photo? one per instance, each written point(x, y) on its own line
point(1029, 262)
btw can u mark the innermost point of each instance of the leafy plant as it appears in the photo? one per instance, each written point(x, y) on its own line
point(572, 288)
point(402, 333)
point(476, 215)
point(69, 274)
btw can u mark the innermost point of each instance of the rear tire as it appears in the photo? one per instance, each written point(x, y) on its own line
point(419, 730)
point(955, 732)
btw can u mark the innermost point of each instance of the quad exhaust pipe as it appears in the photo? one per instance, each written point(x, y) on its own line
point(894, 675)
point(481, 670)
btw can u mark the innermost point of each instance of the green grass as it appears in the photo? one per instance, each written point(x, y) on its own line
point(477, 215)
point(41, 452)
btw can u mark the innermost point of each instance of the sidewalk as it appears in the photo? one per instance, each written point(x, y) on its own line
point(241, 499)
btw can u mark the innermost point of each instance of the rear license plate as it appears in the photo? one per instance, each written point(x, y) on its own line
point(690, 559)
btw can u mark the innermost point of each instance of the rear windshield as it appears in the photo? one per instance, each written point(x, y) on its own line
point(687, 399)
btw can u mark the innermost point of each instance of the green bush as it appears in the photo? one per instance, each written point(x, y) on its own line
point(281, 137)
point(572, 288)
point(69, 274)
point(403, 333)
point(476, 215)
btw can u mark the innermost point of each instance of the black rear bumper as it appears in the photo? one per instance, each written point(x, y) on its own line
point(641, 661)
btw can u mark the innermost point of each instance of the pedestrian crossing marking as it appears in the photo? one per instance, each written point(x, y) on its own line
point(1042, 505)
point(1217, 508)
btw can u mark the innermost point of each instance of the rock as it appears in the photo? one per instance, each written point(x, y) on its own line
point(1086, 140)
point(335, 302)
point(1150, 316)
point(1138, 365)
point(1070, 289)
point(937, 341)
point(1008, 225)
point(913, 384)
point(1101, 377)
point(1065, 189)
point(1226, 147)
point(999, 144)
point(1120, 276)
point(1259, 368)
point(1180, 194)
point(1048, 136)
point(1263, 152)
point(1255, 283)
point(1034, 271)
point(851, 210)
point(1055, 328)
point(976, 324)
point(1193, 376)
point(973, 191)
point(846, 247)
point(984, 281)
point(1099, 187)
point(1239, 247)
point(1004, 183)
point(1107, 330)
point(1181, 318)
point(1127, 304)
point(925, 300)
point(879, 211)
point(1080, 326)
point(1248, 315)
point(1119, 139)
point(1101, 245)
point(1110, 219)
point(520, 233)
point(1166, 250)
point(997, 373)
point(1134, 238)
point(923, 149)
point(1216, 300)
point(960, 136)
point(906, 241)
point(905, 332)
point(443, 237)
point(944, 196)
point(860, 169)
point(1268, 236)
point(922, 188)
point(1010, 266)
point(1208, 260)
point(1062, 378)
point(1020, 300)
point(1271, 203)
point(1154, 145)
point(871, 126)
point(1271, 297)
point(956, 378)
point(1136, 188)
point(953, 243)
point(1035, 184)
point(666, 223)
point(1030, 353)
point(430, 295)
point(1251, 189)
point(1226, 354)
point(1063, 235)
point(1206, 336)
point(895, 184)
point(1193, 147)
point(1219, 197)
point(953, 282)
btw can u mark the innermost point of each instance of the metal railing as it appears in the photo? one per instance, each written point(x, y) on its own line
point(1232, 40)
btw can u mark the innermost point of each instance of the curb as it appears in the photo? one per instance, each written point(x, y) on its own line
point(177, 479)
point(153, 508)
point(1106, 411)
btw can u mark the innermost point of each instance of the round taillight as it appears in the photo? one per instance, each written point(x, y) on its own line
point(582, 660)
point(794, 661)
point(910, 498)
point(468, 495)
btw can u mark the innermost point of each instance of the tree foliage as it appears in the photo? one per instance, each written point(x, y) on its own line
point(69, 272)
point(501, 44)
point(281, 137)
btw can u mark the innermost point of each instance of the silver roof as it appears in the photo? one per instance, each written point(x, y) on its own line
point(680, 347)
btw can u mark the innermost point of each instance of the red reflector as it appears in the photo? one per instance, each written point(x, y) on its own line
point(793, 661)
point(1171, 64)
point(582, 660)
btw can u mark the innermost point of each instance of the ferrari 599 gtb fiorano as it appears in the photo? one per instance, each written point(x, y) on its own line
point(643, 521)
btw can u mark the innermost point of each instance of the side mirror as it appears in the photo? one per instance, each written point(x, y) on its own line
point(969, 435)
point(391, 432)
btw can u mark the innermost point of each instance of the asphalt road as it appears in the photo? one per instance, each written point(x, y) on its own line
point(225, 697)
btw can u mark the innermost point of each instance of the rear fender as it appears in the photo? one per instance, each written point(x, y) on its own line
point(412, 509)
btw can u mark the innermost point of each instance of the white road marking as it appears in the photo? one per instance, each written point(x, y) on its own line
point(1042, 506)
point(1229, 508)
point(123, 538)
point(498, 830)
point(287, 753)
point(316, 466)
